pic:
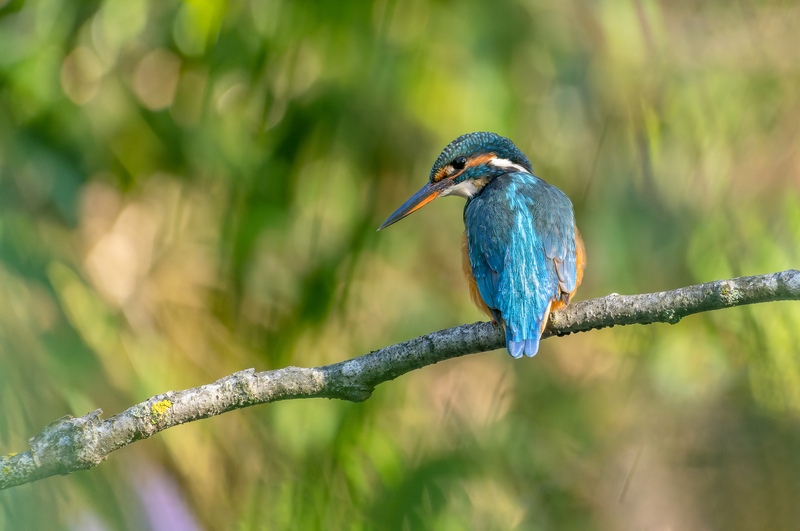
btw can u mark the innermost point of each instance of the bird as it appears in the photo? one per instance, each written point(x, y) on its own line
point(522, 254)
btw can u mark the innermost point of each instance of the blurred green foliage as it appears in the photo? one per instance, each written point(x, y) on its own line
point(188, 189)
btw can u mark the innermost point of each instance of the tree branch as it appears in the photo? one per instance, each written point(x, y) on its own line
point(71, 444)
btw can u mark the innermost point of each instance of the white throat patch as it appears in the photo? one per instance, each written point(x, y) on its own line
point(465, 189)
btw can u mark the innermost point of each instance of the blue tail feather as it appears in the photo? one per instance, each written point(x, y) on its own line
point(529, 347)
point(515, 348)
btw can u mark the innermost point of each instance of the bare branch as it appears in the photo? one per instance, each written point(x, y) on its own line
point(71, 444)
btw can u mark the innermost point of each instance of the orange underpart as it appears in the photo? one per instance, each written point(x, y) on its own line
point(474, 294)
point(546, 319)
point(580, 263)
point(580, 258)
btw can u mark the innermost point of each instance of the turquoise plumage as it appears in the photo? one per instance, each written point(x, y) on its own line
point(525, 255)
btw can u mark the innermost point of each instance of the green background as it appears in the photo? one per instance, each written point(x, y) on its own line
point(188, 189)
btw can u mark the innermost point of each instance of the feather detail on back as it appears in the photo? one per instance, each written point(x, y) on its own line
point(525, 254)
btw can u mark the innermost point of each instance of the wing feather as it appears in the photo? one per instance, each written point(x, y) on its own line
point(521, 237)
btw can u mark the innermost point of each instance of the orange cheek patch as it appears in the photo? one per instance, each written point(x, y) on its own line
point(440, 174)
point(471, 163)
point(480, 159)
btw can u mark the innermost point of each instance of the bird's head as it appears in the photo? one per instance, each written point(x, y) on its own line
point(463, 168)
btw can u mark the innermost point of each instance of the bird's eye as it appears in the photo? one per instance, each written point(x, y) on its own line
point(459, 163)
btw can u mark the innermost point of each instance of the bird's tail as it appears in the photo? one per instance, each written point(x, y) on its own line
point(529, 347)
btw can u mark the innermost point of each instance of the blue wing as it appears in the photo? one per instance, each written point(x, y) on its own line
point(521, 235)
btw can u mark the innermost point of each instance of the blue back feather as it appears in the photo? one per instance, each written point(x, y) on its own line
point(521, 235)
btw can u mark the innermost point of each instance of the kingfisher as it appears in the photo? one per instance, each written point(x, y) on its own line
point(521, 251)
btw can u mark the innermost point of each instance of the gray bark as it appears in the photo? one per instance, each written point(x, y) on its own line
point(69, 444)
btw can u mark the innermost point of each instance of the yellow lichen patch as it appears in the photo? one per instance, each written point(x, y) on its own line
point(160, 408)
point(9, 456)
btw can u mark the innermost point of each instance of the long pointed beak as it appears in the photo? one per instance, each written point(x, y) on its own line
point(425, 195)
